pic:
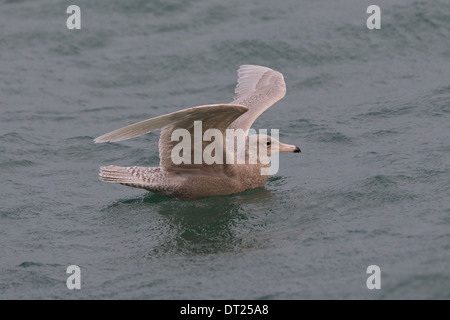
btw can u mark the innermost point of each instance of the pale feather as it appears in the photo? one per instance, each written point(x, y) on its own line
point(217, 116)
point(258, 88)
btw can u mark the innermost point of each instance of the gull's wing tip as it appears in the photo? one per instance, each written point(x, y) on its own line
point(101, 140)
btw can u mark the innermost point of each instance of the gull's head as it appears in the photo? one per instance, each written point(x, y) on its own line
point(272, 145)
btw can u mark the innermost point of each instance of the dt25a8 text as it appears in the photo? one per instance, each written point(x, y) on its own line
point(246, 309)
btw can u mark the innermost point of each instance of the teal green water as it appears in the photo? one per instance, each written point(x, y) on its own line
point(369, 108)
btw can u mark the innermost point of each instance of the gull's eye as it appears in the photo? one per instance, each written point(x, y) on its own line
point(268, 143)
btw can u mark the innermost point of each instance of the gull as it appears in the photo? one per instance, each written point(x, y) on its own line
point(257, 89)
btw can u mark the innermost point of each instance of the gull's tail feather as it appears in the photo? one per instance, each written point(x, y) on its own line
point(149, 178)
point(131, 176)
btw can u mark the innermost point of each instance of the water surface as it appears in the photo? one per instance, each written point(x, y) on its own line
point(369, 109)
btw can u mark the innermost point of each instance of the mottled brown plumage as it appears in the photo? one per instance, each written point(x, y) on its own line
point(258, 88)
